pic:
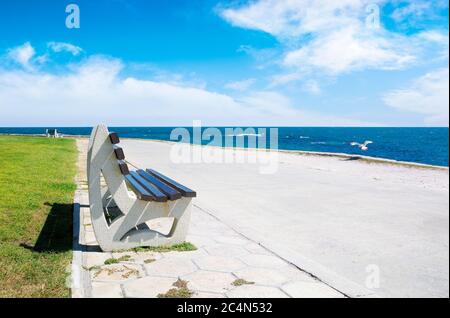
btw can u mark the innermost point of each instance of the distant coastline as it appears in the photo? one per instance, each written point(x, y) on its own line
point(366, 157)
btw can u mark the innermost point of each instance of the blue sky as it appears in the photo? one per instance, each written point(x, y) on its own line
point(260, 62)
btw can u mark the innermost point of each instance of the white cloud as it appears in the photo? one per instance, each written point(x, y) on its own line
point(349, 49)
point(284, 78)
point(428, 95)
point(59, 47)
point(438, 40)
point(413, 9)
point(435, 36)
point(292, 18)
point(312, 86)
point(22, 55)
point(326, 35)
point(241, 85)
point(93, 91)
point(416, 12)
point(41, 59)
point(25, 54)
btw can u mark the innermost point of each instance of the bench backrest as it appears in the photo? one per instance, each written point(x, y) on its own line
point(148, 184)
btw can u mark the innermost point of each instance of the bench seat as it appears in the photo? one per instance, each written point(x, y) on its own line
point(149, 185)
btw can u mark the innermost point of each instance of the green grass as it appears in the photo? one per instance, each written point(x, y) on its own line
point(240, 282)
point(182, 247)
point(36, 195)
point(124, 258)
point(181, 290)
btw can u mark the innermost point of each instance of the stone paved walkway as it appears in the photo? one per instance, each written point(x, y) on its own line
point(222, 257)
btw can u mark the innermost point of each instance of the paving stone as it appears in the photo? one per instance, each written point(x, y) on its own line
point(170, 267)
point(186, 255)
point(207, 295)
point(294, 274)
point(226, 250)
point(86, 213)
point(106, 290)
point(262, 276)
point(208, 229)
point(206, 281)
point(118, 255)
point(116, 272)
point(257, 249)
point(208, 223)
point(212, 227)
point(200, 240)
point(145, 257)
point(148, 287)
point(96, 258)
point(310, 290)
point(90, 238)
point(234, 240)
point(86, 220)
point(219, 263)
point(269, 261)
point(369, 295)
point(200, 216)
point(254, 291)
point(225, 231)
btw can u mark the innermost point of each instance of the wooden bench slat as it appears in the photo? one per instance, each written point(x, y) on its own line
point(185, 191)
point(120, 155)
point(123, 167)
point(114, 137)
point(149, 185)
point(171, 193)
point(154, 191)
point(140, 191)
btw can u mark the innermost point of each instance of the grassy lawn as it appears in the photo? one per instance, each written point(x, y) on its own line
point(36, 195)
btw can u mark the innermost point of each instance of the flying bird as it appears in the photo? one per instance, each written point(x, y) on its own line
point(362, 146)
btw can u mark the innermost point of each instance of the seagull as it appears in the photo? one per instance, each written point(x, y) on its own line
point(362, 146)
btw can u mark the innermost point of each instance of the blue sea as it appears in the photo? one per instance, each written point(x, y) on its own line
point(421, 145)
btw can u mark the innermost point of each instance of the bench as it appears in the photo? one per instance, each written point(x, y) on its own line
point(123, 202)
point(52, 133)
